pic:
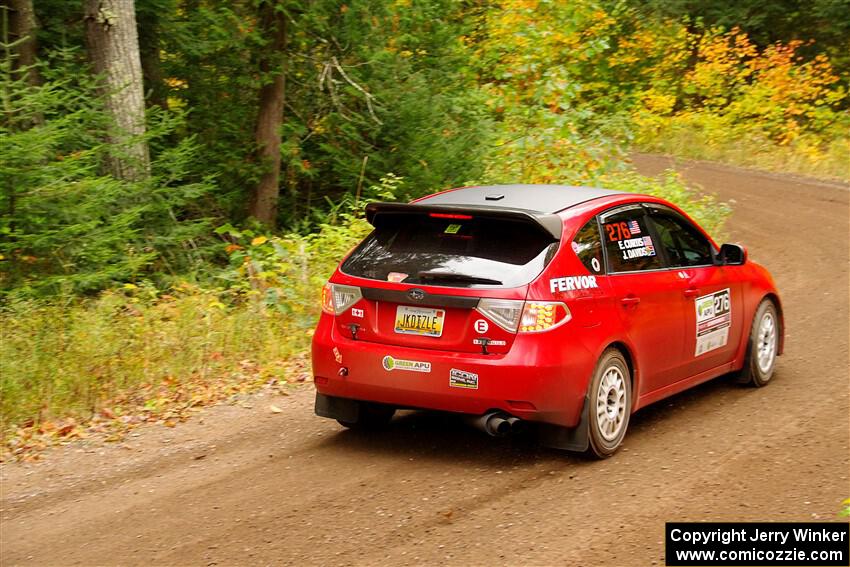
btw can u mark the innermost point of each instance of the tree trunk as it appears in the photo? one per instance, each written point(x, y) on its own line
point(148, 20)
point(264, 197)
point(113, 46)
point(22, 25)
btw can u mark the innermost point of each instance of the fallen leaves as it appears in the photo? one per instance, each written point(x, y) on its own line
point(167, 403)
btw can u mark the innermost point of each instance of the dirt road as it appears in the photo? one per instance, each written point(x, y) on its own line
point(245, 485)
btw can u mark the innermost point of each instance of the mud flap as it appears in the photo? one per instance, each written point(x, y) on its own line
point(567, 438)
point(342, 409)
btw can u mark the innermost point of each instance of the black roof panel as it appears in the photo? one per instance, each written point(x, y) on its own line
point(533, 198)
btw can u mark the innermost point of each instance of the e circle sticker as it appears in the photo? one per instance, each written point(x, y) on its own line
point(481, 326)
point(594, 263)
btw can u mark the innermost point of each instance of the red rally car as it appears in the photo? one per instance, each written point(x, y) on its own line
point(564, 307)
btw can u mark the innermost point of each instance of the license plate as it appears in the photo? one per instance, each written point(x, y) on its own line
point(419, 321)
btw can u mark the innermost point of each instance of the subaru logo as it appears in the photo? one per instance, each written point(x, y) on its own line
point(416, 294)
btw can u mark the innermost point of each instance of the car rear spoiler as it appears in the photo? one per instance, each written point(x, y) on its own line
point(550, 223)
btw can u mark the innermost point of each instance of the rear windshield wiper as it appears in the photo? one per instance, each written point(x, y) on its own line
point(455, 277)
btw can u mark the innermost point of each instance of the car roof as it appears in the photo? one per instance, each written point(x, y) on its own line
point(545, 199)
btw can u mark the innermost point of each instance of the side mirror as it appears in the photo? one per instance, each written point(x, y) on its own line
point(731, 255)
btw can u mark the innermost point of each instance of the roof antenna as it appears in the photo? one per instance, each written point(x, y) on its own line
point(493, 197)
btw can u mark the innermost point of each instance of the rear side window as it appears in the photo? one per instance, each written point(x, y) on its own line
point(682, 242)
point(420, 249)
point(628, 242)
point(588, 246)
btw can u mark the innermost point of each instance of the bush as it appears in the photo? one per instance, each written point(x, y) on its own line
point(68, 229)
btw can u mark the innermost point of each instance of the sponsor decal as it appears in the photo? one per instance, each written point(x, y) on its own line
point(396, 277)
point(489, 342)
point(481, 326)
point(714, 318)
point(357, 312)
point(639, 247)
point(452, 229)
point(463, 379)
point(572, 283)
point(594, 263)
point(337, 356)
point(389, 363)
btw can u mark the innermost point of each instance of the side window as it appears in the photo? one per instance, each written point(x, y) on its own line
point(628, 241)
point(588, 246)
point(682, 242)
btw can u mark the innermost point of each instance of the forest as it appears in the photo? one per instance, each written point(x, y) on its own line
point(180, 177)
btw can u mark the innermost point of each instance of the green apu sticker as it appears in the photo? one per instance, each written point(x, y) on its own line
point(452, 229)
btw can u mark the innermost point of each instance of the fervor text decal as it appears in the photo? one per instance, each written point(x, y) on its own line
point(572, 283)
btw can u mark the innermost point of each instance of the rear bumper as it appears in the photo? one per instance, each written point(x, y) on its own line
point(533, 381)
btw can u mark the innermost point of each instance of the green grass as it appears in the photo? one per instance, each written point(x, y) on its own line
point(71, 360)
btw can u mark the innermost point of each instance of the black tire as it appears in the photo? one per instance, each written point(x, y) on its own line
point(760, 362)
point(371, 416)
point(609, 404)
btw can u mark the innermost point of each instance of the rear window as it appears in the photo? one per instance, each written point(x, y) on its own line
point(588, 246)
point(452, 252)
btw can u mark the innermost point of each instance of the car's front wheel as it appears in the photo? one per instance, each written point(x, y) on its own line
point(610, 398)
point(763, 346)
point(370, 416)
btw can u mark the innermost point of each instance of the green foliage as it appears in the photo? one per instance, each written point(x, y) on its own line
point(371, 87)
point(66, 227)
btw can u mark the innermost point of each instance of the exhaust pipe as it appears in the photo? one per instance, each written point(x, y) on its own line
point(517, 425)
point(493, 423)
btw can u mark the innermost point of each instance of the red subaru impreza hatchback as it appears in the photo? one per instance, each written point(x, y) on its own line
point(564, 307)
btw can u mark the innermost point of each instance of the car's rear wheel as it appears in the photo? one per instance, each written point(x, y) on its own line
point(610, 397)
point(370, 416)
point(760, 363)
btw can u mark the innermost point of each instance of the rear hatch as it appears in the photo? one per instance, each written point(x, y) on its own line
point(446, 279)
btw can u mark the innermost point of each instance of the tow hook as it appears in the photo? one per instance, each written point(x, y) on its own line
point(484, 341)
point(343, 371)
point(354, 328)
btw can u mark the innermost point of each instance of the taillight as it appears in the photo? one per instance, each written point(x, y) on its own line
point(504, 312)
point(337, 298)
point(450, 216)
point(543, 316)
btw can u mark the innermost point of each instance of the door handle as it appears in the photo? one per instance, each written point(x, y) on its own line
point(630, 301)
point(691, 292)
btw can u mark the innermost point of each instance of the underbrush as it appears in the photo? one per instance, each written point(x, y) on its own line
point(136, 353)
